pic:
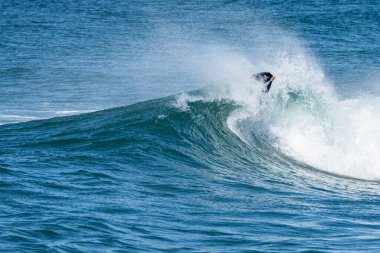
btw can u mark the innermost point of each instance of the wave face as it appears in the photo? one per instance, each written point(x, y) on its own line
point(198, 170)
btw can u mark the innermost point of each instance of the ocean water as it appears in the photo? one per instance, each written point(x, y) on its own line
point(135, 126)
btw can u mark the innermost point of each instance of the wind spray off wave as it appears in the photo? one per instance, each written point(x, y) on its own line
point(304, 119)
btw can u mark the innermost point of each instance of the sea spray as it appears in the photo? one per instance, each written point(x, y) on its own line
point(301, 116)
point(304, 119)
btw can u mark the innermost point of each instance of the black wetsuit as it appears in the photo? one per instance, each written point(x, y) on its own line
point(265, 77)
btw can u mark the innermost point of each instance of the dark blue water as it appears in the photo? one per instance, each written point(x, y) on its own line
point(131, 126)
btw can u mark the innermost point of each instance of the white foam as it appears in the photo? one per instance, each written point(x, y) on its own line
point(71, 112)
point(301, 115)
point(305, 119)
point(349, 144)
point(13, 118)
point(183, 99)
point(36, 115)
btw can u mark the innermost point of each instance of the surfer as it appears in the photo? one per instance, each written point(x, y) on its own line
point(265, 77)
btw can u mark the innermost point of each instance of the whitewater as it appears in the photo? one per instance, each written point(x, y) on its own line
point(302, 116)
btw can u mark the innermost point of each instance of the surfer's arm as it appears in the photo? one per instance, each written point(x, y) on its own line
point(270, 83)
point(268, 86)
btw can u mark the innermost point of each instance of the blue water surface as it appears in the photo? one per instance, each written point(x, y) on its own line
point(147, 175)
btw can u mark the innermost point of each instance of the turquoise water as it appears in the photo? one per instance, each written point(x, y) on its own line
point(131, 126)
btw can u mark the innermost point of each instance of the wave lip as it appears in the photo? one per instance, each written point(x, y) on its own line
point(302, 116)
point(313, 126)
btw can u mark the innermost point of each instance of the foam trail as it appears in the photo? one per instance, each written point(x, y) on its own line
point(12, 118)
point(37, 115)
